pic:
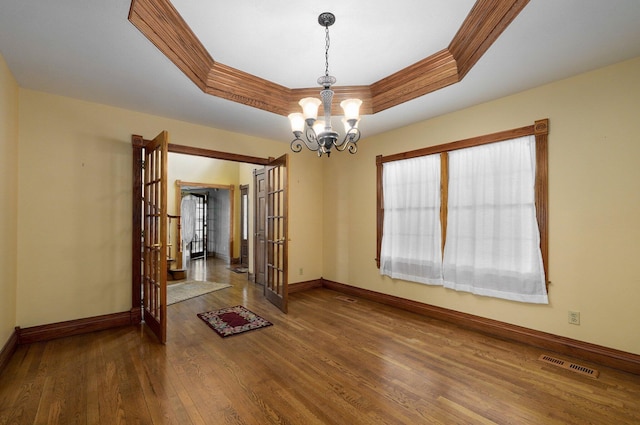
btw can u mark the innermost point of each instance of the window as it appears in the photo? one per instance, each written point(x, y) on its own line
point(492, 221)
point(412, 243)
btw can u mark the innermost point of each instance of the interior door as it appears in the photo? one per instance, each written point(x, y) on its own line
point(154, 228)
point(198, 246)
point(276, 288)
point(260, 217)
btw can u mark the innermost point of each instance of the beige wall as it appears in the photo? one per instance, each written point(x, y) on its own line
point(71, 255)
point(74, 202)
point(594, 204)
point(8, 200)
point(305, 215)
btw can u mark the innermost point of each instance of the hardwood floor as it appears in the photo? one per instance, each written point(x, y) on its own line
point(331, 360)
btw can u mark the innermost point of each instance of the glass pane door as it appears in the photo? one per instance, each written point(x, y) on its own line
point(198, 245)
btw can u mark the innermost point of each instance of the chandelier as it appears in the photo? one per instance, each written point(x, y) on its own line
point(318, 134)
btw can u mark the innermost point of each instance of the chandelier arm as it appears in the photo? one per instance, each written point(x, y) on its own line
point(296, 146)
point(310, 141)
point(354, 135)
point(349, 142)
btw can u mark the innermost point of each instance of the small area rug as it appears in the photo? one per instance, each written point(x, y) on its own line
point(190, 289)
point(233, 320)
point(239, 269)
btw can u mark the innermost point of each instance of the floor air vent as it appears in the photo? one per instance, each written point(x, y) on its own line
point(582, 370)
point(345, 299)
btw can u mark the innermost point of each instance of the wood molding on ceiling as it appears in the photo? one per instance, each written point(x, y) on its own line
point(161, 23)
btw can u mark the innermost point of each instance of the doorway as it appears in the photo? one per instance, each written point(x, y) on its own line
point(213, 222)
point(140, 296)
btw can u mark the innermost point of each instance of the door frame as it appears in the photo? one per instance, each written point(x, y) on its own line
point(259, 227)
point(137, 144)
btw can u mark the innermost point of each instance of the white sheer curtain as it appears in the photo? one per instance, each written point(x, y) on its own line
point(493, 241)
point(187, 218)
point(411, 240)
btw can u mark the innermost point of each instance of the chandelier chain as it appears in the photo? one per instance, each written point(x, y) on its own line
point(326, 51)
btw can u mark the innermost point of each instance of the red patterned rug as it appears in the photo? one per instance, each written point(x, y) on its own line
point(233, 320)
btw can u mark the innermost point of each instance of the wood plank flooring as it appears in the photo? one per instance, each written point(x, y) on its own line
point(329, 361)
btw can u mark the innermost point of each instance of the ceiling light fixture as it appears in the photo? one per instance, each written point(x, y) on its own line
point(319, 135)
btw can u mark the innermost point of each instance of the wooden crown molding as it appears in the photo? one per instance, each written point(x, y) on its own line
point(161, 23)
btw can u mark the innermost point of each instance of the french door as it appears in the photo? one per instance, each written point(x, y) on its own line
point(198, 246)
point(276, 287)
point(154, 231)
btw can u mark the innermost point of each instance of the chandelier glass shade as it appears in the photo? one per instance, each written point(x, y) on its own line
point(318, 135)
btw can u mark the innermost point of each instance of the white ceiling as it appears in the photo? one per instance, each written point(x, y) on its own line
point(88, 50)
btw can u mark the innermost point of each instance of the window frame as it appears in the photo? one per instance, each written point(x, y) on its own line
point(540, 129)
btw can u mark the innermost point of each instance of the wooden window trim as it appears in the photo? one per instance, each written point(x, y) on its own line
point(540, 129)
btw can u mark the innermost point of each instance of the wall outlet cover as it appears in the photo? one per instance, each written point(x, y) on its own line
point(574, 317)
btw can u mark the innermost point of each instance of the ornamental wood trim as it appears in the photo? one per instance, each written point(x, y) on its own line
point(484, 24)
point(605, 356)
point(241, 87)
point(304, 286)
point(428, 75)
point(444, 197)
point(9, 348)
point(462, 144)
point(379, 208)
point(541, 129)
point(160, 22)
point(208, 153)
point(181, 184)
point(74, 327)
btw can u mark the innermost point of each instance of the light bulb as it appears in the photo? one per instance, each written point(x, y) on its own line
point(310, 107)
point(351, 108)
point(297, 122)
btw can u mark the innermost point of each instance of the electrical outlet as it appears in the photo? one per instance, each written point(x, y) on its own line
point(301, 271)
point(574, 317)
